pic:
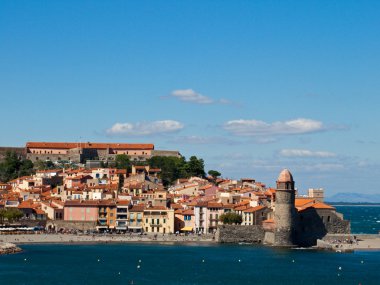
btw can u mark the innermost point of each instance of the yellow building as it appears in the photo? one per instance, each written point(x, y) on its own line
point(158, 219)
point(107, 215)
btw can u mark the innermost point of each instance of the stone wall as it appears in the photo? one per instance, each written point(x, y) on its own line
point(70, 225)
point(19, 150)
point(174, 153)
point(314, 224)
point(238, 233)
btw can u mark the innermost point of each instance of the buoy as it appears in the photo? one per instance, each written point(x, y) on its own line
point(98, 260)
point(138, 266)
point(119, 273)
point(293, 261)
point(340, 268)
point(203, 260)
point(239, 260)
point(24, 259)
point(362, 261)
point(140, 260)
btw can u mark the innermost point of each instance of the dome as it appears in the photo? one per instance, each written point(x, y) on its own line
point(285, 176)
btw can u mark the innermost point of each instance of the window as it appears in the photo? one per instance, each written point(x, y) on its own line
point(328, 218)
point(164, 221)
point(152, 222)
point(158, 221)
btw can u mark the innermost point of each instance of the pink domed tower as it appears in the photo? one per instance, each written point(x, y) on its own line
point(284, 215)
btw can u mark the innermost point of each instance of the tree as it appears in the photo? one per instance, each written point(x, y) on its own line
point(2, 215)
point(13, 166)
point(43, 165)
point(121, 183)
point(215, 174)
point(172, 168)
point(12, 214)
point(196, 167)
point(231, 218)
point(122, 161)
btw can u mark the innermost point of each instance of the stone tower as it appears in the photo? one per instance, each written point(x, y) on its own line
point(284, 215)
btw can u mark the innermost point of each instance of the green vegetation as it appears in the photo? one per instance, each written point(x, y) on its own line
point(122, 161)
point(231, 218)
point(44, 165)
point(173, 168)
point(215, 174)
point(13, 166)
point(10, 214)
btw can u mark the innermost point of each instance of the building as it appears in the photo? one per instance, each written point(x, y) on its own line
point(79, 210)
point(317, 194)
point(158, 219)
point(80, 152)
point(254, 215)
point(285, 211)
point(122, 207)
point(300, 221)
point(135, 218)
point(184, 220)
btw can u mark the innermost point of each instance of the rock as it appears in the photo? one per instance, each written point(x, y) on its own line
point(9, 248)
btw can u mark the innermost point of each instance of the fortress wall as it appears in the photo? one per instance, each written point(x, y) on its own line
point(19, 150)
point(238, 233)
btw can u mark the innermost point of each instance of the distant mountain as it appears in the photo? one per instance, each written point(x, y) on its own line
point(354, 198)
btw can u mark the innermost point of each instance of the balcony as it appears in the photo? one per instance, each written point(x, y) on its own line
point(122, 218)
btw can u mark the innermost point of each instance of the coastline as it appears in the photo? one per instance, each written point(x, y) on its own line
point(102, 239)
point(9, 248)
point(365, 242)
point(339, 243)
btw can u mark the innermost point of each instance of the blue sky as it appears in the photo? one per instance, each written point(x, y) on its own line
point(250, 86)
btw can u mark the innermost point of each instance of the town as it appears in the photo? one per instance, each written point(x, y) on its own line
point(129, 188)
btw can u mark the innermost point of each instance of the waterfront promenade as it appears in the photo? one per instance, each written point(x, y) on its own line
point(102, 238)
point(364, 242)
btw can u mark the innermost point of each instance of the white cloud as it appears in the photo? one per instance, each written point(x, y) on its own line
point(306, 153)
point(191, 96)
point(145, 128)
point(322, 167)
point(261, 128)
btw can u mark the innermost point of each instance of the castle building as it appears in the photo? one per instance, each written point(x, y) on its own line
point(285, 211)
point(80, 152)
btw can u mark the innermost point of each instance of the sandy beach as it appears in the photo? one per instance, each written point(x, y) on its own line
point(73, 238)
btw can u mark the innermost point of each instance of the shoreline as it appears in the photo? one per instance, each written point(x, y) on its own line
point(367, 243)
point(102, 239)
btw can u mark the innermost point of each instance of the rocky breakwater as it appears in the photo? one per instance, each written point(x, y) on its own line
point(8, 248)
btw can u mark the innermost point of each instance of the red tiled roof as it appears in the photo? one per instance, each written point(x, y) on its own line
point(68, 145)
point(254, 209)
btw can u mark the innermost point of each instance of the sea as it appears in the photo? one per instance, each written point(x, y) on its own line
point(196, 263)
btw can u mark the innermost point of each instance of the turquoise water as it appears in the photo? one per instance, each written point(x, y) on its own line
point(174, 264)
point(195, 264)
point(364, 219)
